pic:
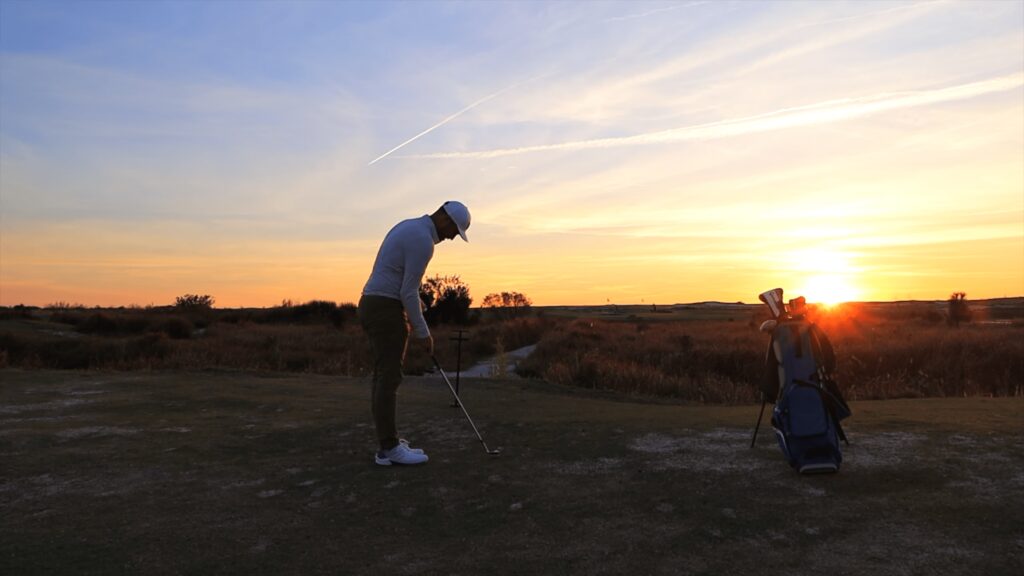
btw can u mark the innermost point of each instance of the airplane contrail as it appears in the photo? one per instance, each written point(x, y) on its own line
point(449, 119)
point(654, 11)
point(821, 113)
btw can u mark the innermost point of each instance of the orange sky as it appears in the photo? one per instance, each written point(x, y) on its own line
point(711, 152)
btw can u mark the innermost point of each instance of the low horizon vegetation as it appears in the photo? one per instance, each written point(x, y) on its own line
point(880, 354)
point(315, 337)
point(691, 353)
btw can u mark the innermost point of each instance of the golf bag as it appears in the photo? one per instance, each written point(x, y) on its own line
point(808, 405)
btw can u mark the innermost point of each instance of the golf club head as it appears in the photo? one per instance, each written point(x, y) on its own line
point(773, 299)
point(797, 305)
point(494, 452)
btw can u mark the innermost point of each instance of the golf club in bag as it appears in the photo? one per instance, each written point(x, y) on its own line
point(772, 299)
point(798, 380)
point(458, 401)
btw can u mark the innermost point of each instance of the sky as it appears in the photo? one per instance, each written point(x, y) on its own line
point(610, 152)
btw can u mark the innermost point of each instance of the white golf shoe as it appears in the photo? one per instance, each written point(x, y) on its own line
point(400, 454)
point(411, 449)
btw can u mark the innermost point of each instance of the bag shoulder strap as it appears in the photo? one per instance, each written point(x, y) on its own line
point(823, 350)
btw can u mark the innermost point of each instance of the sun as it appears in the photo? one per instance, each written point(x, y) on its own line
point(830, 289)
point(829, 275)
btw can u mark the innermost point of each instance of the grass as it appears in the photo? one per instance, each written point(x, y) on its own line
point(880, 355)
point(270, 473)
point(317, 337)
point(710, 354)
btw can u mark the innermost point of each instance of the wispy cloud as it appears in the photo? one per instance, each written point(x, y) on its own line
point(447, 120)
point(653, 12)
point(814, 114)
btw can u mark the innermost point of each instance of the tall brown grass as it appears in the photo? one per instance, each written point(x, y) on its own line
point(883, 357)
point(710, 362)
point(316, 337)
point(883, 351)
point(879, 357)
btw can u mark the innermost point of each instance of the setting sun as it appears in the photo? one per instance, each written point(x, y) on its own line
point(829, 289)
point(829, 276)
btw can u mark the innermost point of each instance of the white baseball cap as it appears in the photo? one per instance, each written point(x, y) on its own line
point(459, 214)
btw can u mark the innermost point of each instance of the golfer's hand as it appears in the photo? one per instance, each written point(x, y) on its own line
point(427, 344)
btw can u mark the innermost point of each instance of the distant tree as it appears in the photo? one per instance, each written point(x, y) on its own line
point(508, 304)
point(959, 311)
point(446, 300)
point(194, 302)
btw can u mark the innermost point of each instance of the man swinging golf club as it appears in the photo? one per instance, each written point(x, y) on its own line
point(390, 298)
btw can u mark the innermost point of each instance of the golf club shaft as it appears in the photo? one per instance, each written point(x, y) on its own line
point(458, 401)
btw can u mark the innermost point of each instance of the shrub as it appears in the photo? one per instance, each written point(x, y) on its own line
point(312, 312)
point(67, 317)
point(508, 304)
point(194, 302)
point(99, 323)
point(446, 300)
point(959, 311)
point(176, 327)
point(18, 312)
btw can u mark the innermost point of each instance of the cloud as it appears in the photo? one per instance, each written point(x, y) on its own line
point(681, 64)
point(814, 114)
point(97, 141)
point(654, 11)
point(447, 120)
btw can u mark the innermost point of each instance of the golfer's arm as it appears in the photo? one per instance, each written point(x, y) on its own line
point(415, 267)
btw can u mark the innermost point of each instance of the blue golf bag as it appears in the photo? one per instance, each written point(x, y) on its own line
point(808, 405)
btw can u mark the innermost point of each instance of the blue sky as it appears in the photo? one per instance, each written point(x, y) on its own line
point(609, 151)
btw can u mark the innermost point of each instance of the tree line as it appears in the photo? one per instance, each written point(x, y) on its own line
point(446, 300)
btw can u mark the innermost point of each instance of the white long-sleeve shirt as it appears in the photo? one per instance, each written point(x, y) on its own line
point(400, 265)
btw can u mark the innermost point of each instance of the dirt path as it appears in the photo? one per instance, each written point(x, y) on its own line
point(499, 367)
point(226, 473)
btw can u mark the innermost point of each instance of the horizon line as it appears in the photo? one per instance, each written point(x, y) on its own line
point(79, 306)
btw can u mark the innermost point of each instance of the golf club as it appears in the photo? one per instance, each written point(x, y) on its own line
point(494, 452)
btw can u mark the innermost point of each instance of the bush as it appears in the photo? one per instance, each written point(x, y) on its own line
point(508, 304)
point(99, 323)
point(67, 317)
point(312, 312)
point(194, 302)
point(18, 312)
point(176, 327)
point(959, 311)
point(446, 300)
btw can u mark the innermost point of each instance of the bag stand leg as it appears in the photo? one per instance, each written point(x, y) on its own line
point(764, 400)
point(842, 435)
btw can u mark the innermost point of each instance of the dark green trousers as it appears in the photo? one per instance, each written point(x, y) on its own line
point(383, 320)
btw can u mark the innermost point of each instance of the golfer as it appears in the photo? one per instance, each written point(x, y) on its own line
point(390, 302)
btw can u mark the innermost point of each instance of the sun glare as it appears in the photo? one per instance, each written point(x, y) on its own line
point(829, 276)
point(829, 289)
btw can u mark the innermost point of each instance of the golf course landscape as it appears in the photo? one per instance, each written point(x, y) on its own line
point(517, 287)
point(233, 472)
